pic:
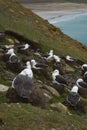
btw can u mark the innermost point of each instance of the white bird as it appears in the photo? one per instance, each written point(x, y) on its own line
point(23, 82)
point(84, 68)
point(75, 89)
point(69, 58)
point(58, 79)
point(36, 65)
point(24, 47)
point(80, 83)
point(13, 58)
point(73, 97)
point(49, 55)
point(26, 72)
point(56, 58)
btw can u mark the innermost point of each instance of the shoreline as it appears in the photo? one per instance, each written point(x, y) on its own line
point(53, 11)
point(66, 16)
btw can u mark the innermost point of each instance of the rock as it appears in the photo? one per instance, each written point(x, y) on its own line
point(15, 67)
point(69, 68)
point(9, 75)
point(83, 100)
point(40, 97)
point(60, 107)
point(83, 92)
point(13, 96)
point(3, 88)
point(11, 41)
point(53, 91)
point(59, 88)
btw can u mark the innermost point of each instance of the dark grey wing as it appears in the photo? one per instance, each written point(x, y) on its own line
point(85, 77)
point(73, 59)
point(73, 98)
point(41, 65)
point(14, 59)
point(83, 84)
point(46, 55)
point(84, 69)
point(61, 80)
point(20, 46)
point(23, 85)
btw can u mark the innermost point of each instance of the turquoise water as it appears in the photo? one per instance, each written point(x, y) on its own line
point(73, 25)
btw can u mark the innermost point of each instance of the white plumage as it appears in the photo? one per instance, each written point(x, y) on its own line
point(75, 89)
point(58, 79)
point(56, 58)
point(49, 55)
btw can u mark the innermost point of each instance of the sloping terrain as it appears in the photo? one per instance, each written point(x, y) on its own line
point(23, 21)
point(21, 25)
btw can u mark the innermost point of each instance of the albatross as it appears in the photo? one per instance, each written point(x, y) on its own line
point(73, 97)
point(36, 65)
point(84, 68)
point(69, 58)
point(80, 83)
point(23, 82)
point(23, 47)
point(13, 58)
point(49, 55)
point(57, 58)
point(58, 79)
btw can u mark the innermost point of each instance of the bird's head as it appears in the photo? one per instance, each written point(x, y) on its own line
point(79, 80)
point(33, 62)
point(84, 65)
point(75, 89)
point(28, 64)
point(51, 51)
point(56, 72)
point(27, 45)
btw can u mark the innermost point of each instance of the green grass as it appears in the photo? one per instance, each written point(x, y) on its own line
point(15, 17)
point(26, 117)
point(21, 116)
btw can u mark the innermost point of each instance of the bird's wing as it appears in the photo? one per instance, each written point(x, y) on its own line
point(46, 55)
point(41, 65)
point(60, 79)
point(20, 47)
point(83, 84)
point(73, 98)
point(13, 59)
point(85, 76)
point(23, 86)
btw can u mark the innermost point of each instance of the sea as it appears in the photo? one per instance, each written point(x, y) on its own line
point(74, 25)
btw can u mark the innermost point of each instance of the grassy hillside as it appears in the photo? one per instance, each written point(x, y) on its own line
point(15, 17)
point(26, 117)
point(16, 115)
